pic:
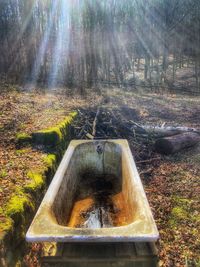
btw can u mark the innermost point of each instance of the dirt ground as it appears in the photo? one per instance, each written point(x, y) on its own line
point(172, 183)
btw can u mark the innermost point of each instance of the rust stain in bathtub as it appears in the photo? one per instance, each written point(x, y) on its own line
point(110, 213)
point(122, 217)
point(79, 210)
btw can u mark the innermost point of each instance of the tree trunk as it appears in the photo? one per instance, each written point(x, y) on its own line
point(173, 144)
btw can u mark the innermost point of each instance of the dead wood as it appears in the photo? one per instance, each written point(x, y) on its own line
point(148, 171)
point(147, 160)
point(89, 136)
point(163, 131)
point(172, 144)
point(95, 122)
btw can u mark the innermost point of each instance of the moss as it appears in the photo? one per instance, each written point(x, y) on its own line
point(37, 181)
point(179, 213)
point(182, 201)
point(16, 206)
point(38, 177)
point(23, 138)
point(18, 264)
point(53, 136)
point(195, 217)
point(3, 173)
point(20, 152)
point(6, 223)
point(182, 211)
point(69, 118)
point(197, 262)
point(50, 160)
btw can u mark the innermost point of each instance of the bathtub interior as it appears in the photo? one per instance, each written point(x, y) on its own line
point(96, 190)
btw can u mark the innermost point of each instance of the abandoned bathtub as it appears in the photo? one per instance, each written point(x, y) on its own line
point(96, 195)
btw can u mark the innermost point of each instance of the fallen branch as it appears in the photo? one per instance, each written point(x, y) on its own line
point(95, 123)
point(148, 171)
point(89, 136)
point(147, 161)
point(163, 131)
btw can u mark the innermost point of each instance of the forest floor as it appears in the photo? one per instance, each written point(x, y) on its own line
point(171, 182)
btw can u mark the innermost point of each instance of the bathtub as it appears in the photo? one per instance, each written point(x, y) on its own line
point(96, 195)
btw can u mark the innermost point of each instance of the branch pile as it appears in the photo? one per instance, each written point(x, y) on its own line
point(123, 122)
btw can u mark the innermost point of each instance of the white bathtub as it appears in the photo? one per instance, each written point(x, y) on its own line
point(106, 166)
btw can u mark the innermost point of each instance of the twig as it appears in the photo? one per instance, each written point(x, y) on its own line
point(95, 123)
point(136, 124)
point(147, 171)
point(148, 160)
point(89, 136)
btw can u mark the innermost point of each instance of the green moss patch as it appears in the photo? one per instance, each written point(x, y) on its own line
point(182, 211)
point(38, 176)
point(3, 173)
point(182, 202)
point(50, 161)
point(23, 138)
point(17, 204)
point(20, 152)
point(37, 181)
point(178, 213)
point(196, 217)
point(15, 219)
point(6, 224)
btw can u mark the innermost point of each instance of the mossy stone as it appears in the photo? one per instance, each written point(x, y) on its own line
point(23, 138)
point(53, 136)
point(50, 137)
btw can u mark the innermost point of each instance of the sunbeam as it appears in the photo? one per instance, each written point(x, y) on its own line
point(42, 51)
point(62, 41)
